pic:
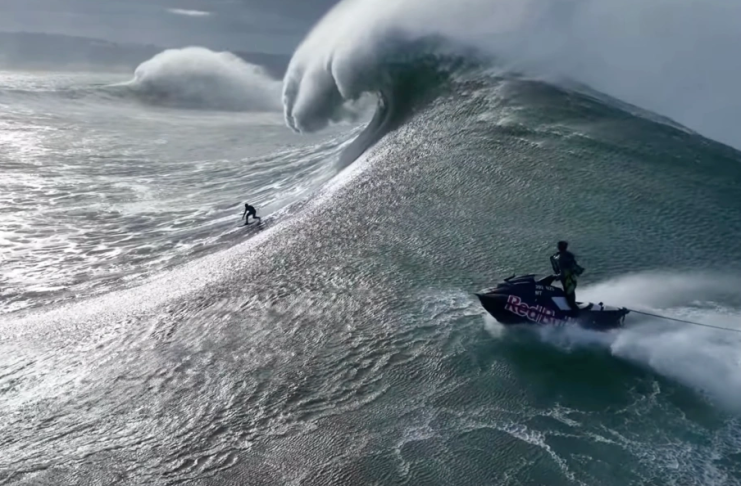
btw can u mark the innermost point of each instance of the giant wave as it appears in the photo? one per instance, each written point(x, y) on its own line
point(593, 42)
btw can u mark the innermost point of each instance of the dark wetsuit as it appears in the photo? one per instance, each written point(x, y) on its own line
point(567, 270)
point(250, 211)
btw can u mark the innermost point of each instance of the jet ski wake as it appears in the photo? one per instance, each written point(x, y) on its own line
point(528, 300)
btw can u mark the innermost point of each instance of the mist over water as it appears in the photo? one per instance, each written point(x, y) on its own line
point(196, 77)
point(672, 57)
point(705, 359)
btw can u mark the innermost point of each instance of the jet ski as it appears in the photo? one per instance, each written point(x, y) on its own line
point(535, 301)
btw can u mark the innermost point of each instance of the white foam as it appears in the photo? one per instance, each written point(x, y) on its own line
point(707, 360)
point(494, 328)
point(197, 77)
point(674, 57)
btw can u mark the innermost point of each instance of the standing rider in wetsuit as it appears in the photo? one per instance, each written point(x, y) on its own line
point(250, 211)
point(566, 269)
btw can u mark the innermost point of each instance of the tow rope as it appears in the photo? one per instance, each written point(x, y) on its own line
point(684, 321)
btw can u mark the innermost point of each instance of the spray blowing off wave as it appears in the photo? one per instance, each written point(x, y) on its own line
point(402, 76)
point(199, 78)
point(676, 58)
point(323, 85)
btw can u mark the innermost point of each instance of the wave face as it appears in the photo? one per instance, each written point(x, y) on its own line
point(349, 327)
point(199, 78)
point(629, 50)
point(111, 190)
point(346, 326)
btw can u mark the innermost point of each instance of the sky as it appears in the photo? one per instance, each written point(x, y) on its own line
point(272, 26)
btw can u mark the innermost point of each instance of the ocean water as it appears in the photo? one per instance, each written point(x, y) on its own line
point(410, 156)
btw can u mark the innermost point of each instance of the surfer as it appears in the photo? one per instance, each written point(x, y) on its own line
point(250, 211)
point(567, 270)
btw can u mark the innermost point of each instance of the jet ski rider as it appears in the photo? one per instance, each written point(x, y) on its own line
point(566, 269)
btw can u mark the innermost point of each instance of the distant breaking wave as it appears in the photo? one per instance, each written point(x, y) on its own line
point(198, 78)
point(190, 78)
point(676, 58)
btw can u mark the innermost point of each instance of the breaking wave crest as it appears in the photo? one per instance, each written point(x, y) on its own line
point(348, 53)
point(402, 76)
point(198, 78)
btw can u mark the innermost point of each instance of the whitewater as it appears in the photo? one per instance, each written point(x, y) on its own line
point(672, 58)
point(403, 157)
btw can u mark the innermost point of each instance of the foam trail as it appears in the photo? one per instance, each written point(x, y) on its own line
point(494, 328)
point(706, 360)
point(674, 57)
point(196, 77)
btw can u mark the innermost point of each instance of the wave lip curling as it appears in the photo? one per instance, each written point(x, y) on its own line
point(676, 58)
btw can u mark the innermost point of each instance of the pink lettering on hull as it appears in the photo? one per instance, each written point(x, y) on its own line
point(536, 313)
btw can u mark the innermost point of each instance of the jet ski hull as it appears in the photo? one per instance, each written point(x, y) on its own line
point(525, 300)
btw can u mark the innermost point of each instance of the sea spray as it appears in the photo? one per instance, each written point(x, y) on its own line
point(707, 360)
point(629, 50)
point(196, 77)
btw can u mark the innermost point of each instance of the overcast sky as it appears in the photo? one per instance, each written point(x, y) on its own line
point(257, 25)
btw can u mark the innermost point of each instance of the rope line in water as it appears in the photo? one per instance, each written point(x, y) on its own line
point(685, 321)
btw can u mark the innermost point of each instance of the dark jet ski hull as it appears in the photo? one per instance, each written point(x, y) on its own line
point(525, 300)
